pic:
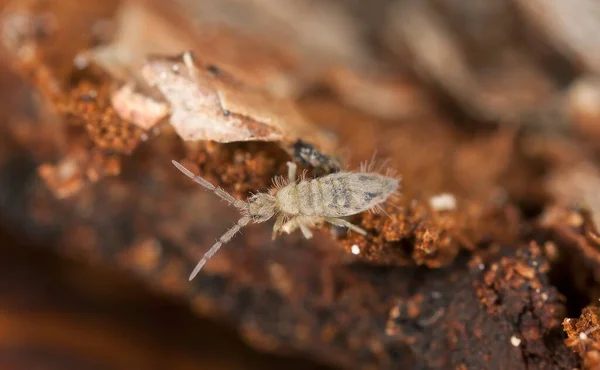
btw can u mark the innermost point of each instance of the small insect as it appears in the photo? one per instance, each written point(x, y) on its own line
point(306, 153)
point(304, 203)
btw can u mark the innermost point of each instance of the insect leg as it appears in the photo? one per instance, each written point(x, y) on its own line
point(290, 226)
point(222, 240)
point(344, 223)
point(306, 231)
point(277, 226)
point(302, 222)
point(188, 60)
point(292, 169)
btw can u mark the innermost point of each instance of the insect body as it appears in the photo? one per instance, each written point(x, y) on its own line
point(304, 203)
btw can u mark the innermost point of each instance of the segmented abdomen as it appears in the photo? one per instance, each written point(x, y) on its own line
point(337, 195)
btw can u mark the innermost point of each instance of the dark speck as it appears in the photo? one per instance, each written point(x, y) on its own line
point(89, 96)
point(370, 196)
point(364, 178)
point(226, 112)
point(213, 69)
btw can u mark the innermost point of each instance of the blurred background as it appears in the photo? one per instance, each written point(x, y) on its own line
point(490, 112)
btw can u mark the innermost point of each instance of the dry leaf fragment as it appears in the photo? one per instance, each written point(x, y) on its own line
point(197, 110)
point(208, 104)
point(138, 108)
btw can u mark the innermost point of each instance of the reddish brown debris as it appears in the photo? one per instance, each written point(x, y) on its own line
point(144, 255)
point(583, 336)
point(492, 317)
point(518, 307)
point(576, 245)
point(89, 104)
point(417, 233)
point(240, 168)
point(521, 285)
point(410, 235)
point(73, 172)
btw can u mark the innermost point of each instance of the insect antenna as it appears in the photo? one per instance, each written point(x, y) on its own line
point(222, 240)
point(218, 191)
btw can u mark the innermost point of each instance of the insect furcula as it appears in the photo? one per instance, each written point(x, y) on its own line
point(304, 203)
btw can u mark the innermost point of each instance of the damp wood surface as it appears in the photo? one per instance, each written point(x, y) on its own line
point(490, 258)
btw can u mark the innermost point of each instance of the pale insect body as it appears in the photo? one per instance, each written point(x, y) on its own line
point(305, 203)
